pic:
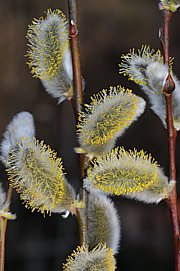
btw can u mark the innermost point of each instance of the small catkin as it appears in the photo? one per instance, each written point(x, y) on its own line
point(103, 222)
point(99, 259)
point(109, 114)
point(134, 64)
point(37, 174)
point(124, 172)
point(49, 54)
point(146, 68)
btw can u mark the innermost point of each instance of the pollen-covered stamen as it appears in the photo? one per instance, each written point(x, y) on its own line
point(37, 174)
point(108, 115)
point(123, 172)
point(100, 258)
point(134, 64)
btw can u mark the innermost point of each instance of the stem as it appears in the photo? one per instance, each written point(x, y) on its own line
point(168, 90)
point(3, 222)
point(3, 227)
point(77, 100)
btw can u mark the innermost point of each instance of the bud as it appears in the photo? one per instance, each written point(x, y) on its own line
point(109, 114)
point(100, 258)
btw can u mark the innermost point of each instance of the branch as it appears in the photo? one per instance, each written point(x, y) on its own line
point(3, 227)
point(168, 89)
point(77, 100)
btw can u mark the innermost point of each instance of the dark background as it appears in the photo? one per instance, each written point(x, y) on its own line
point(107, 29)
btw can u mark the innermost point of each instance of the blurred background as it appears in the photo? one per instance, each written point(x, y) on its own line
point(107, 29)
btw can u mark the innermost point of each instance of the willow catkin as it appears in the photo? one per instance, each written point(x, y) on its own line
point(49, 54)
point(37, 174)
point(100, 258)
point(103, 222)
point(108, 115)
point(127, 173)
point(146, 68)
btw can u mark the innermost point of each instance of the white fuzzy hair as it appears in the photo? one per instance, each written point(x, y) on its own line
point(60, 86)
point(155, 194)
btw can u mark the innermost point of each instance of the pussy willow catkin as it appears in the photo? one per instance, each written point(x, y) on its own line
point(124, 172)
point(108, 115)
point(37, 174)
point(49, 54)
point(100, 258)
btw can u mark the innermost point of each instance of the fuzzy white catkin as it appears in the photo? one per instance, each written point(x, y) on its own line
point(22, 125)
point(49, 54)
point(145, 67)
point(103, 222)
point(37, 175)
point(106, 118)
point(131, 174)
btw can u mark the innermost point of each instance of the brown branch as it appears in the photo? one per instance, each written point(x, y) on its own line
point(168, 90)
point(77, 100)
point(3, 227)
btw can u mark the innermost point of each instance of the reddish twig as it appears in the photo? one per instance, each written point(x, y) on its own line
point(77, 100)
point(168, 90)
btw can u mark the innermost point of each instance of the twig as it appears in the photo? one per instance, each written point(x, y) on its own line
point(77, 100)
point(168, 90)
point(3, 227)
